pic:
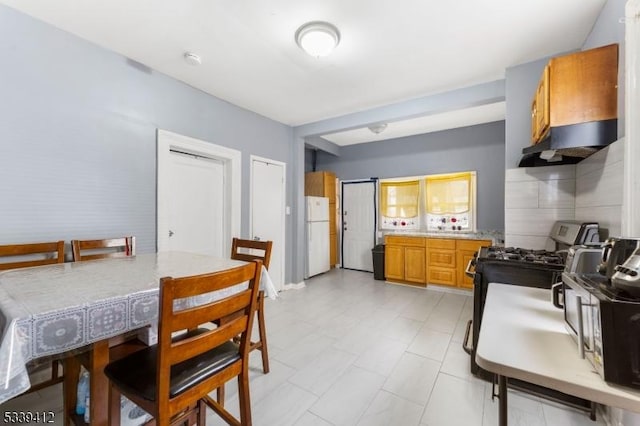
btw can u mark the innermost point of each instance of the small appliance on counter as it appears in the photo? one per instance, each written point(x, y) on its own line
point(615, 251)
point(602, 311)
point(627, 276)
point(605, 323)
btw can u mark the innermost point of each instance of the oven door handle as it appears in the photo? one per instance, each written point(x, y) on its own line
point(468, 271)
point(465, 341)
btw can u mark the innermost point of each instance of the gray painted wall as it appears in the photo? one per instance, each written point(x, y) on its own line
point(78, 137)
point(522, 80)
point(479, 148)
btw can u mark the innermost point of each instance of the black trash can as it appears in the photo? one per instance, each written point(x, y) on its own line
point(378, 262)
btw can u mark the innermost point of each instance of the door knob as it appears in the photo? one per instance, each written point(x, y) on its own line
point(170, 233)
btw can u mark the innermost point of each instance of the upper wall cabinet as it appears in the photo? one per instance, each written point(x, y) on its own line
point(574, 109)
point(540, 108)
point(576, 88)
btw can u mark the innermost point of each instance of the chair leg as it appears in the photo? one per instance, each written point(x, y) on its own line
point(202, 413)
point(262, 327)
point(55, 367)
point(114, 406)
point(220, 395)
point(245, 399)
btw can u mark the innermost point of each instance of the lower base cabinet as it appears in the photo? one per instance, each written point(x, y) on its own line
point(441, 261)
point(421, 261)
point(405, 260)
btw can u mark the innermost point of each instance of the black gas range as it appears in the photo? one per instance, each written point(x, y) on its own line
point(529, 268)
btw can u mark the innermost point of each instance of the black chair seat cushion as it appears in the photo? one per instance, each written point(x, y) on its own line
point(136, 373)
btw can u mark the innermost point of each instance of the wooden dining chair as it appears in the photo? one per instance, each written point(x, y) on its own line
point(15, 256)
point(172, 380)
point(119, 346)
point(249, 250)
point(100, 249)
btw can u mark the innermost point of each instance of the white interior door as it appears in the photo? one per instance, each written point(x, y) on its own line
point(268, 211)
point(358, 224)
point(198, 195)
point(196, 211)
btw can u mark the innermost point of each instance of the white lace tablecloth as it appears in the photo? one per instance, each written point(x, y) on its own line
point(48, 310)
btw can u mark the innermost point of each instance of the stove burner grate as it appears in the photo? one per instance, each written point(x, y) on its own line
point(524, 255)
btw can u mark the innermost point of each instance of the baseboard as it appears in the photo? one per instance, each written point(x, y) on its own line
point(447, 289)
point(296, 286)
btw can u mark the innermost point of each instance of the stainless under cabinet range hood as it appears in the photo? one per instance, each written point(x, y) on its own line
point(570, 144)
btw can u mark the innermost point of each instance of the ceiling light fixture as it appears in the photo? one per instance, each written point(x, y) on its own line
point(318, 38)
point(192, 58)
point(377, 128)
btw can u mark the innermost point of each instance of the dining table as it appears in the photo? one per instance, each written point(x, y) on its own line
point(72, 308)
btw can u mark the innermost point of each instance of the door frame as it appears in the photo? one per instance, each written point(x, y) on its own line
point(375, 213)
point(232, 161)
point(283, 223)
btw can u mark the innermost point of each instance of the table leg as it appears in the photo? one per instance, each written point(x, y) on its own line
point(69, 387)
point(502, 403)
point(99, 385)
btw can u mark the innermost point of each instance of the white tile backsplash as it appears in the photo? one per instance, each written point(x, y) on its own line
point(521, 195)
point(557, 194)
point(602, 187)
point(608, 217)
point(535, 197)
point(527, 241)
point(537, 222)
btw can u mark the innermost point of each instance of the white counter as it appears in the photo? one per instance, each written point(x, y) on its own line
point(523, 337)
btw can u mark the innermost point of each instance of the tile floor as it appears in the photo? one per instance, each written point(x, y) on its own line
point(349, 350)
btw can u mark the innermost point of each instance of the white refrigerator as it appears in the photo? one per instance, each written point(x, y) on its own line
point(317, 233)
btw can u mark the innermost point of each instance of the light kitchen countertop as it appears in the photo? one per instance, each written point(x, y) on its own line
point(523, 336)
point(497, 237)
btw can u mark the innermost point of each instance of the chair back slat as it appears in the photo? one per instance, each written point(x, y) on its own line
point(105, 248)
point(47, 254)
point(193, 317)
point(190, 347)
point(239, 308)
point(193, 286)
point(249, 250)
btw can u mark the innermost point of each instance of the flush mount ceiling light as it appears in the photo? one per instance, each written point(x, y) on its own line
point(192, 58)
point(318, 38)
point(377, 128)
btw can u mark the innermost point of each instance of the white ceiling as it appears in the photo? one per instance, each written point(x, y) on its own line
point(390, 51)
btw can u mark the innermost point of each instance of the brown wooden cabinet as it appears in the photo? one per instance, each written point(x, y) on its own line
point(465, 250)
point(405, 259)
point(323, 184)
point(393, 261)
point(576, 88)
point(540, 108)
point(441, 265)
point(421, 261)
